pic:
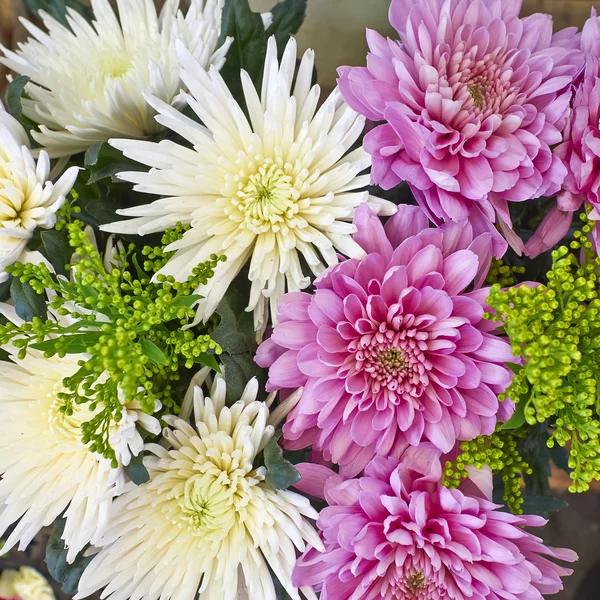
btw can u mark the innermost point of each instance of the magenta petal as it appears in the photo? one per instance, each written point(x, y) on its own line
point(441, 434)
point(309, 364)
point(314, 478)
point(268, 352)
point(552, 229)
point(330, 340)
point(459, 271)
point(294, 335)
point(284, 372)
point(407, 222)
point(370, 234)
point(494, 349)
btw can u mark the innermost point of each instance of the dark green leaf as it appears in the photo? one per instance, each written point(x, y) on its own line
point(92, 155)
point(111, 170)
point(280, 592)
point(102, 161)
point(27, 303)
point(5, 290)
point(56, 558)
point(534, 450)
point(238, 370)
point(281, 473)
point(136, 471)
point(514, 368)
point(55, 247)
point(543, 506)
point(186, 300)
point(58, 8)
point(14, 95)
point(517, 420)
point(4, 355)
point(153, 352)
point(288, 16)
point(208, 360)
point(71, 344)
point(102, 211)
point(235, 333)
point(560, 457)
point(249, 46)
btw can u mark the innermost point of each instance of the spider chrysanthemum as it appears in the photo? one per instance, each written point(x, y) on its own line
point(274, 190)
point(207, 524)
point(28, 198)
point(87, 81)
point(46, 471)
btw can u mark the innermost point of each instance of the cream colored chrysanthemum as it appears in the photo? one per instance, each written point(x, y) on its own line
point(45, 469)
point(28, 199)
point(270, 191)
point(25, 584)
point(206, 523)
point(87, 82)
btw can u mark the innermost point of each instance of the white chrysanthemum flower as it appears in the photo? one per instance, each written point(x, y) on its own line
point(28, 199)
point(45, 469)
point(25, 584)
point(87, 82)
point(271, 190)
point(206, 523)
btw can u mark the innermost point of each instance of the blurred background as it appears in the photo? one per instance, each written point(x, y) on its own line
point(335, 29)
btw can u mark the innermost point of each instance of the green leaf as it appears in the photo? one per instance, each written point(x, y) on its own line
point(281, 473)
point(516, 369)
point(92, 155)
point(280, 592)
point(102, 211)
point(56, 558)
point(517, 420)
point(288, 16)
point(58, 9)
point(238, 370)
point(102, 161)
point(5, 290)
point(111, 170)
point(208, 360)
point(249, 46)
point(136, 471)
point(71, 344)
point(28, 303)
point(187, 300)
point(235, 333)
point(153, 352)
point(14, 95)
point(543, 506)
point(534, 450)
point(54, 245)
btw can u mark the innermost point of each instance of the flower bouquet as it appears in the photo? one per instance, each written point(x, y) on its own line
point(260, 342)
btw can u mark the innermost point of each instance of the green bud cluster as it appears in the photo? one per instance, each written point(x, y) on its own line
point(134, 326)
point(67, 210)
point(500, 452)
point(555, 329)
point(502, 274)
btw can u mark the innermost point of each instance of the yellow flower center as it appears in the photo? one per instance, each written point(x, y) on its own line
point(12, 198)
point(114, 66)
point(268, 198)
point(214, 499)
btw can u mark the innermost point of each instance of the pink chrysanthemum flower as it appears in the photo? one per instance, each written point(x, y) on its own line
point(390, 349)
point(397, 533)
point(580, 150)
point(474, 98)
